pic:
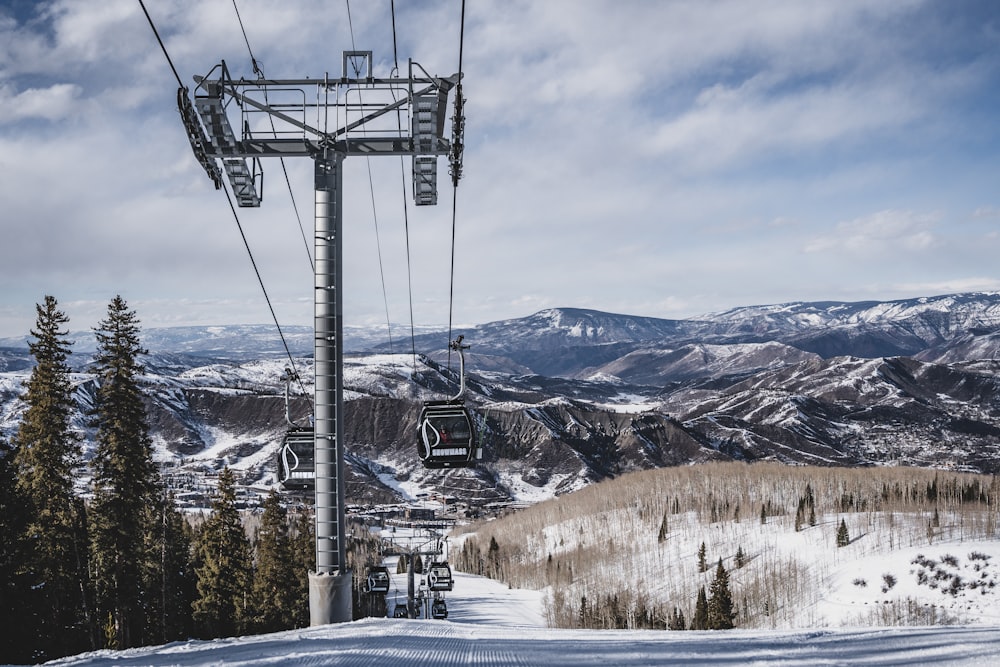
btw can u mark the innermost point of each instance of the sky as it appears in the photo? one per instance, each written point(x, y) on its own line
point(664, 159)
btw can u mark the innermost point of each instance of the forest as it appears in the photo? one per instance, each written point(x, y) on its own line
point(649, 548)
point(115, 564)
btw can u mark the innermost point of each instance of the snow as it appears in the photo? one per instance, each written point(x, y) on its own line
point(489, 625)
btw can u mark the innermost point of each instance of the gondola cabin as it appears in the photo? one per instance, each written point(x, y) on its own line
point(439, 577)
point(297, 459)
point(378, 579)
point(445, 435)
point(400, 611)
point(439, 609)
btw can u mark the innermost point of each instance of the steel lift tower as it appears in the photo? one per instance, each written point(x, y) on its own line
point(328, 120)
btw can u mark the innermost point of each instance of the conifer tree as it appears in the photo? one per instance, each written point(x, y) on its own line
point(741, 557)
point(700, 619)
point(168, 575)
point(304, 559)
point(664, 529)
point(274, 583)
point(677, 621)
point(720, 602)
point(843, 537)
point(53, 563)
point(14, 647)
point(224, 572)
point(702, 560)
point(125, 481)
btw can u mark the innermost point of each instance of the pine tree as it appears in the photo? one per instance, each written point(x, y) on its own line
point(168, 575)
point(125, 481)
point(720, 602)
point(225, 567)
point(14, 647)
point(702, 560)
point(677, 621)
point(700, 619)
point(53, 564)
point(741, 557)
point(274, 582)
point(843, 537)
point(304, 559)
point(664, 529)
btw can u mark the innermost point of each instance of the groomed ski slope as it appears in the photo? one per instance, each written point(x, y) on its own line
point(490, 624)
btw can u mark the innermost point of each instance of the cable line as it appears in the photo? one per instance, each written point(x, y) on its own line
point(232, 207)
point(260, 75)
point(406, 208)
point(260, 280)
point(456, 174)
point(371, 188)
point(162, 46)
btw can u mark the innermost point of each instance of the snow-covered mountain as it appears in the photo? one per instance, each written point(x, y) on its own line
point(566, 397)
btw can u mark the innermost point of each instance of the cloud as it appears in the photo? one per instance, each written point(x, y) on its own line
point(644, 157)
point(878, 233)
point(53, 103)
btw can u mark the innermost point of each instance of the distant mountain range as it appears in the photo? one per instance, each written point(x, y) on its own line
point(568, 396)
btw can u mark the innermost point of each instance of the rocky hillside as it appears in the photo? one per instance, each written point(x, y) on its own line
point(567, 397)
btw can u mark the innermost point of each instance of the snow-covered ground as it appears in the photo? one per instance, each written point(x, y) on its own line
point(490, 624)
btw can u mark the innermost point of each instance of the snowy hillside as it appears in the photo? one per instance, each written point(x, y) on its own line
point(490, 625)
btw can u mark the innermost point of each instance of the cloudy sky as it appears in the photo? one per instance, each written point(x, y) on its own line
point(665, 159)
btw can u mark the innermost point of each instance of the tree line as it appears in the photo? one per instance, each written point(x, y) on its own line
point(113, 563)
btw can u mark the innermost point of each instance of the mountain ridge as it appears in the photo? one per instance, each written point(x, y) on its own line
point(566, 397)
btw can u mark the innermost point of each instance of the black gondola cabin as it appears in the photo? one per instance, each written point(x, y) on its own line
point(439, 577)
point(445, 435)
point(378, 579)
point(297, 460)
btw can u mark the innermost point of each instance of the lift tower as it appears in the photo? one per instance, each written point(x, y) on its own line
point(328, 120)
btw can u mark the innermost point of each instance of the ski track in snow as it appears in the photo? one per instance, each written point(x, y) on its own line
point(492, 625)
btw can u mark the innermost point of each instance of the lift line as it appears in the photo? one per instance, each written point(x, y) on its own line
point(301, 112)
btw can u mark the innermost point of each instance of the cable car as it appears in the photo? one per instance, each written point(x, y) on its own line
point(446, 437)
point(400, 611)
point(296, 460)
point(297, 454)
point(439, 609)
point(439, 577)
point(378, 579)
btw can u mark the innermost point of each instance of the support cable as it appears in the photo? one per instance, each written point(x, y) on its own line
point(456, 174)
point(371, 188)
point(232, 207)
point(295, 207)
point(260, 280)
point(406, 208)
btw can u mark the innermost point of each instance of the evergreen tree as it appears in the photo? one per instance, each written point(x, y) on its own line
point(125, 481)
point(168, 575)
point(677, 621)
point(304, 559)
point(53, 563)
point(700, 619)
point(225, 568)
point(664, 529)
point(274, 583)
point(741, 557)
point(720, 602)
point(14, 647)
point(702, 560)
point(843, 537)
